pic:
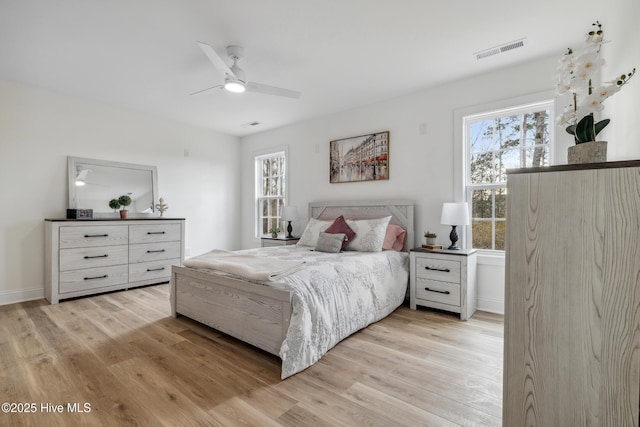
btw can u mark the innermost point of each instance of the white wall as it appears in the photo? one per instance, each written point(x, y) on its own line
point(39, 129)
point(421, 166)
point(622, 54)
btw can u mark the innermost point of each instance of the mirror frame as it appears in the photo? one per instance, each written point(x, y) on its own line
point(71, 177)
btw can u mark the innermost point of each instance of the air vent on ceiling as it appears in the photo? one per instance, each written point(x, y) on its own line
point(250, 124)
point(500, 49)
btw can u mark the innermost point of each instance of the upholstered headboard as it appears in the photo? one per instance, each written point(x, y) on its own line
point(401, 212)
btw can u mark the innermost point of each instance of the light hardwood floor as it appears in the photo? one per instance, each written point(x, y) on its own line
point(124, 355)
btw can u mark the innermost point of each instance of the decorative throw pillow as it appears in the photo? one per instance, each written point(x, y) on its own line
point(369, 234)
point(394, 238)
point(312, 231)
point(340, 226)
point(330, 242)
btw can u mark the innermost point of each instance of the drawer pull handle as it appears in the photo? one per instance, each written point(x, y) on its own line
point(96, 256)
point(159, 250)
point(155, 269)
point(446, 270)
point(95, 235)
point(435, 290)
point(96, 277)
point(155, 232)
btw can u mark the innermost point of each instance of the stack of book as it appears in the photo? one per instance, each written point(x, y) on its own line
point(432, 247)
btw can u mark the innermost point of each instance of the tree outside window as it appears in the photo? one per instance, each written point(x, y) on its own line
point(270, 191)
point(496, 141)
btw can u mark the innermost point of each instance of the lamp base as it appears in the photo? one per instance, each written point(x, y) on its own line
point(453, 236)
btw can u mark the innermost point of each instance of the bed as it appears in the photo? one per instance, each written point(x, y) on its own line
point(260, 312)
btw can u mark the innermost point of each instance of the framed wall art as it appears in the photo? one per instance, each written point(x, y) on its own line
point(359, 158)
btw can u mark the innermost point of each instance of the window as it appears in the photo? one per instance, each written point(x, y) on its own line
point(494, 142)
point(271, 186)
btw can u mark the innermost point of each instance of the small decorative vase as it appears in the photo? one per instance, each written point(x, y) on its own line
point(588, 152)
point(124, 214)
point(162, 206)
point(431, 240)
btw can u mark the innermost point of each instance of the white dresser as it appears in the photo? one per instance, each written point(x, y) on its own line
point(85, 257)
point(572, 296)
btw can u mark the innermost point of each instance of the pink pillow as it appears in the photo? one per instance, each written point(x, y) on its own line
point(340, 226)
point(394, 239)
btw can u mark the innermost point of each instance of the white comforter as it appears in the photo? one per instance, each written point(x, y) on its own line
point(335, 295)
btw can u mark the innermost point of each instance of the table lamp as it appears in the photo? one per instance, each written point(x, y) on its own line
point(289, 213)
point(454, 214)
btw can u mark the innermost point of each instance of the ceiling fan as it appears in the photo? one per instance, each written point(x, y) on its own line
point(234, 77)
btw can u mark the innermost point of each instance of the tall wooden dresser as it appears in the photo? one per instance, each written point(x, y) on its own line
point(85, 257)
point(572, 300)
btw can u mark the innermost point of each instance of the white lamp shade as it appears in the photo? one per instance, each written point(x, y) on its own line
point(289, 213)
point(455, 214)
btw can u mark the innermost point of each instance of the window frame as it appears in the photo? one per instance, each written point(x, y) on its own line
point(258, 158)
point(462, 164)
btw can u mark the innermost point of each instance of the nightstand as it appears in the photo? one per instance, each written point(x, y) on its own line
point(278, 241)
point(445, 280)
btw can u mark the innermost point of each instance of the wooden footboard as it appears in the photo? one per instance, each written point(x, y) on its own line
point(256, 314)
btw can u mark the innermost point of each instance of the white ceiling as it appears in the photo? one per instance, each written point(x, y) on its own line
point(341, 54)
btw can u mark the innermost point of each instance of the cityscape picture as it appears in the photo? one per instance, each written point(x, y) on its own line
point(359, 158)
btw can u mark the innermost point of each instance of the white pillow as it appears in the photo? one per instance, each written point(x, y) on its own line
point(312, 231)
point(370, 234)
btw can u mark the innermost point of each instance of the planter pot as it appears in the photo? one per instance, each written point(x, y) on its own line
point(588, 152)
point(124, 214)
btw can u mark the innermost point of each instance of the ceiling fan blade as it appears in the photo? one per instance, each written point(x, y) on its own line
point(209, 88)
point(272, 90)
point(216, 60)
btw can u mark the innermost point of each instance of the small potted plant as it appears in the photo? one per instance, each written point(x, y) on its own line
point(274, 232)
point(124, 202)
point(114, 204)
point(431, 237)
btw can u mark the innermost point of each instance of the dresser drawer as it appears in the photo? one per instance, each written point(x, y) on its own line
point(151, 270)
point(81, 258)
point(100, 235)
point(144, 252)
point(438, 269)
point(442, 292)
point(149, 233)
point(93, 278)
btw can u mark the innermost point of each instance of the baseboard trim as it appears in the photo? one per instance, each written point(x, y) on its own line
point(21, 296)
point(491, 305)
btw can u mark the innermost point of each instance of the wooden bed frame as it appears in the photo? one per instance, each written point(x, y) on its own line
point(259, 314)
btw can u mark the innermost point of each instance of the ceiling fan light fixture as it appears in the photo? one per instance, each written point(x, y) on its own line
point(234, 86)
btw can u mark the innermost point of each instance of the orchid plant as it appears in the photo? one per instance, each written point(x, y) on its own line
point(575, 76)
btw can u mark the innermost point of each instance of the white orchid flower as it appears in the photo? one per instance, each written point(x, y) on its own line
point(589, 62)
point(568, 117)
point(592, 104)
point(604, 92)
point(575, 75)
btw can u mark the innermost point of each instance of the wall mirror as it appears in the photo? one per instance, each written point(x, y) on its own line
point(92, 183)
